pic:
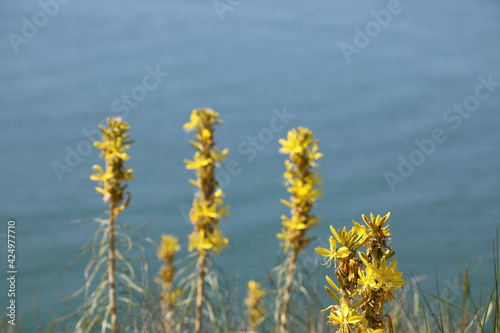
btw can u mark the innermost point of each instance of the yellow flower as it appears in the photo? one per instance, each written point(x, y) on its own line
point(361, 231)
point(333, 253)
point(346, 238)
point(345, 317)
point(296, 223)
point(193, 121)
point(198, 241)
point(292, 145)
point(255, 293)
point(220, 155)
point(199, 162)
point(169, 246)
point(386, 277)
point(376, 224)
point(256, 312)
point(218, 242)
point(201, 211)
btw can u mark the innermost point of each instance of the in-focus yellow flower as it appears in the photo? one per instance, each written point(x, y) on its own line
point(346, 238)
point(333, 253)
point(345, 317)
point(386, 277)
point(376, 224)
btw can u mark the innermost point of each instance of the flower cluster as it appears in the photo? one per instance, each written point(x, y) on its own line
point(256, 312)
point(208, 205)
point(166, 252)
point(302, 180)
point(113, 149)
point(365, 279)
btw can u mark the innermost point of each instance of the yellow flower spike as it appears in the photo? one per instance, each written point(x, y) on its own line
point(256, 312)
point(364, 284)
point(169, 247)
point(302, 180)
point(166, 253)
point(111, 180)
point(208, 205)
point(112, 185)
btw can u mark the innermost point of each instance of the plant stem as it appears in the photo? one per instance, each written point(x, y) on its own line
point(111, 269)
point(288, 291)
point(199, 295)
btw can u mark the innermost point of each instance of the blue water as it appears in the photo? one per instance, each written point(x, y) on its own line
point(261, 56)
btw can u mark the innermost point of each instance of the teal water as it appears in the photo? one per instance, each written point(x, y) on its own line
point(261, 59)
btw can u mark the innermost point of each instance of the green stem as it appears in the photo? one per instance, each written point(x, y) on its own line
point(111, 269)
point(200, 294)
point(287, 294)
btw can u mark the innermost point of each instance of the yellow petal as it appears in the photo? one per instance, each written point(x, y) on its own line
point(343, 252)
point(323, 252)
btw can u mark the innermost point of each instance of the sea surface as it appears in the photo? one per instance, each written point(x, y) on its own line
point(404, 97)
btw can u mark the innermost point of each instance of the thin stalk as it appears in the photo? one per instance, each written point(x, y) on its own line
point(200, 294)
point(288, 291)
point(111, 269)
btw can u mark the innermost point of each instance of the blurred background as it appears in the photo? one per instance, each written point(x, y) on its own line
point(369, 80)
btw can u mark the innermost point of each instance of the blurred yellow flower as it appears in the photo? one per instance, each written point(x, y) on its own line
point(208, 205)
point(302, 180)
point(168, 247)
